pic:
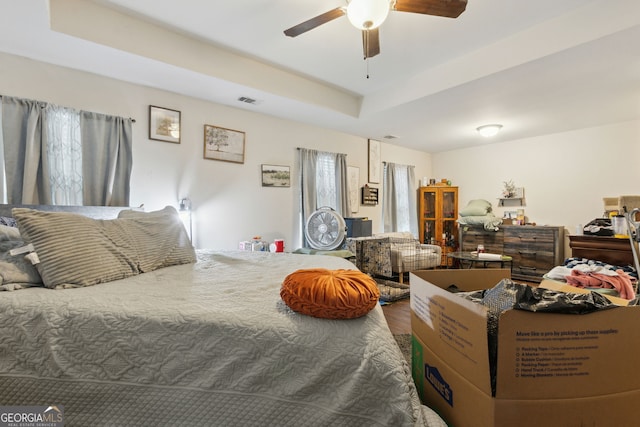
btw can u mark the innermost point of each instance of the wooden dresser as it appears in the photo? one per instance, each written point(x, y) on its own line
point(535, 249)
point(606, 249)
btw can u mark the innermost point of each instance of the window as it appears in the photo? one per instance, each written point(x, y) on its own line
point(399, 212)
point(61, 156)
point(323, 182)
point(64, 156)
point(326, 188)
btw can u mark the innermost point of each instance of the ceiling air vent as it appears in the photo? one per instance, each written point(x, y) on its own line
point(389, 137)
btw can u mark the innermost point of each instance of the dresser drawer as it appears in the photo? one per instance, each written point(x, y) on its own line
point(532, 265)
point(535, 250)
point(530, 236)
point(471, 237)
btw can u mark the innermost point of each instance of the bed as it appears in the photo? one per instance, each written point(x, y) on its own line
point(204, 343)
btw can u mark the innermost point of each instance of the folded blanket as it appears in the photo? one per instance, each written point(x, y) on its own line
point(620, 282)
point(576, 261)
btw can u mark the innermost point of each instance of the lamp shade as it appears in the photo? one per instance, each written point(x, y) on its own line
point(367, 14)
point(489, 130)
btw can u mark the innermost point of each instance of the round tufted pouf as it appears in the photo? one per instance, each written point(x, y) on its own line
point(330, 294)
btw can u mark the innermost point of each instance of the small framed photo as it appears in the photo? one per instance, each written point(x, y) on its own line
point(374, 161)
point(164, 124)
point(276, 176)
point(223, 144)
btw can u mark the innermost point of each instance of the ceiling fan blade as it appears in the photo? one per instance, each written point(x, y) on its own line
point(446, 8)
point(370, 43)
point(315, 22)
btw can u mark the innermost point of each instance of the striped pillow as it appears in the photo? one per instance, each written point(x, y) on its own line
point(76, 251)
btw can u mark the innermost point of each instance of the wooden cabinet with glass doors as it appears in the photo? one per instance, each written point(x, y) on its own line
point(437, 215)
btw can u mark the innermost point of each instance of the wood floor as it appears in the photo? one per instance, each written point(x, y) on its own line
point(398, 315)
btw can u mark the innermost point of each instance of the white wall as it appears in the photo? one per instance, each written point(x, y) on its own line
point(565, 175)
point(229, 202)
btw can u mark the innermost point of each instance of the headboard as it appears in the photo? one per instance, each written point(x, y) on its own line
point(96, 212)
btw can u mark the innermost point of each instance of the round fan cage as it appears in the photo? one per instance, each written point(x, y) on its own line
point(325, 229)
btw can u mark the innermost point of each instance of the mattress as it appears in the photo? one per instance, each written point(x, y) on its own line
point(209, 343)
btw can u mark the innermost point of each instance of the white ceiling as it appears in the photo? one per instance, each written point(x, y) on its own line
point(536, 67)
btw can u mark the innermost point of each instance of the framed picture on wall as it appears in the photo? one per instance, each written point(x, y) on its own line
point(164, 124)
point(223, 144)
point(374, 161)
point(276, 176)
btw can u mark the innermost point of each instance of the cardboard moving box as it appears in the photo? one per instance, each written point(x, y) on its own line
point(552, 369)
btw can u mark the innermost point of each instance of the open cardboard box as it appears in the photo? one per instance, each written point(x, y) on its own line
point(552, 369)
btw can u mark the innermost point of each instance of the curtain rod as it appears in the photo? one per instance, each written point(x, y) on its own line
point(45, 104)
point(384, 163)
point(319, 151)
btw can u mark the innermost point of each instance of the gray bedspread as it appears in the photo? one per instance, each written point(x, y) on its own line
point(206, 344)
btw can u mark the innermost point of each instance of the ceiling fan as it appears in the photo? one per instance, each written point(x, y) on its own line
point(367, 15)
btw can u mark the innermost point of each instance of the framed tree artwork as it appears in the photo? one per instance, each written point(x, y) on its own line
point(223, 144)
point(374, 161)
point(164, 124)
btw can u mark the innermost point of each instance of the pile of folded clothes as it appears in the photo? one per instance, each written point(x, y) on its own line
point(596, 275)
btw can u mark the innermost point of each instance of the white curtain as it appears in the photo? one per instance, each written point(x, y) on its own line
point(399, 209)
point(323, 182)
point(57, 155)
point(64, 156)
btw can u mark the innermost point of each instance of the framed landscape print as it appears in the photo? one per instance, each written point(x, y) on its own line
point(223, 144)
point(164, 124)
point(276, 176)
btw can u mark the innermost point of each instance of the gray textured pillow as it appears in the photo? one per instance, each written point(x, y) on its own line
point(78, 251)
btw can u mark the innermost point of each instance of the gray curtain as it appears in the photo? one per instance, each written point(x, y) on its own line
point(314, 189)
point(22, 137)
point(399, 209)
point(106, 159)
point(106, 151)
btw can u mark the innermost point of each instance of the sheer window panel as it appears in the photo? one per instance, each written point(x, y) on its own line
point(64, 154)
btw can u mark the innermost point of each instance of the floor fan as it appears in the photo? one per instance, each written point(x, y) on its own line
point(325, 229)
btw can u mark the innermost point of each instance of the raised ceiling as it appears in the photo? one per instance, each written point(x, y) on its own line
point(535, 67)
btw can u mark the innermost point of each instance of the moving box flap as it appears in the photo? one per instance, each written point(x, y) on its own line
point(567, 355)
point(454, 329)
point(472, 279)
point(563, 287)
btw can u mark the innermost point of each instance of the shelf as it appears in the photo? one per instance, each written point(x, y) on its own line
point(518, 201)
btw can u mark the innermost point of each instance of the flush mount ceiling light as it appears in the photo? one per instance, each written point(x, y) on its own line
point(367, 14)
point(489, 130)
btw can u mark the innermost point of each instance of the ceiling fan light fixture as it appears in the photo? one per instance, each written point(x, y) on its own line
point(367, 14)
point(489, 130)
